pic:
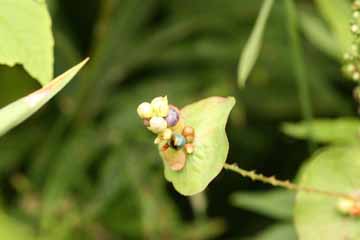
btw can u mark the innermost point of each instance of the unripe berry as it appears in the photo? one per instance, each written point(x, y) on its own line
point(189, 134)
point(145, 110)
point(189, 148)
point(166, 134)
point(157, 124)
point(173, 117)
point(160, 106)
point(177, 141)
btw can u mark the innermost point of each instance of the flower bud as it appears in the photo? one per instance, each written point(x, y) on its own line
point(157, 124)
point(160, 106)
point(145, 110)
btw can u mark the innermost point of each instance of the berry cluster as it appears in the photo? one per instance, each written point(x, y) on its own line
point(165, 121)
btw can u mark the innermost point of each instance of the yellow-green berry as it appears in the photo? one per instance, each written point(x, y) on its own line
point(160, 106)
point(157, 124)
point(345, 205)
point(166, 134)
point(145, 110)
point(189, 148)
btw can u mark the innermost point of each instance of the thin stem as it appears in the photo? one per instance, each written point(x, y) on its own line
point(285, 183)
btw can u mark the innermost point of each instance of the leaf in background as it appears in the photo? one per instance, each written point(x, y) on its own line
point(283, 231)
point(276, 203)
point(342, 130)
point(316, 217)
point(208, 117)
point(18, 111)
point(252, 47)
point(317, 33)
point(11, 229)
point(299, 66)
point(338, 15)
point(26, 38)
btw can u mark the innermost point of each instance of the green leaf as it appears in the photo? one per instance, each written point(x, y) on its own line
point(26, 38)
point(18, 111)
point(254, 43)
point(337, 13)
point(284, 231)
point(276, 203)
point(342, 130)
point(208, 117)
point(316, 217)
point(318, 34)
point(12, 229)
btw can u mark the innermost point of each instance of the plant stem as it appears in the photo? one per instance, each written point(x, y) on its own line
point(285, 183)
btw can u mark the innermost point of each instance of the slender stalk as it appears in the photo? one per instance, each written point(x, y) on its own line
point(285, 183)
point(299, 66)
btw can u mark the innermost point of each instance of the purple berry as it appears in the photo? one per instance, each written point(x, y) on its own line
point(172, 118)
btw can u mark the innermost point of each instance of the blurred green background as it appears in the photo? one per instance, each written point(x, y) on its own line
point(85, 168)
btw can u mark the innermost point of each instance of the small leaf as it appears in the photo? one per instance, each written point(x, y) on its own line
point(26, 37)
point(18, 111)
point(342, 130)
point(316, 216)
point(276, 203)
point(337, 13)
point(253, 45)
point(208, 117)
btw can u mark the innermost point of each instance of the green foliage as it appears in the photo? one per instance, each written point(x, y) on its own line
point(342, 130)
point(18, 111)
point(254, 44)
point(12, 229)
point(334, 169)
point(84, 168)
point(277, 204)
point(337, 14)
point(276, 232)
point(319, 35)
point(209, 118)
point(26, 37)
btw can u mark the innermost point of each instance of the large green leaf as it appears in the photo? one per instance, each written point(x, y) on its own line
point(276, 203)
point(254, 44)
point(26, 38)
point(316, 216)
point(18, 111)
point(342, 130)
point(208, 117)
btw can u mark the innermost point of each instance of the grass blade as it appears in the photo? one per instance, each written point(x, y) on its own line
point(299, 66)
point(253, 45)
